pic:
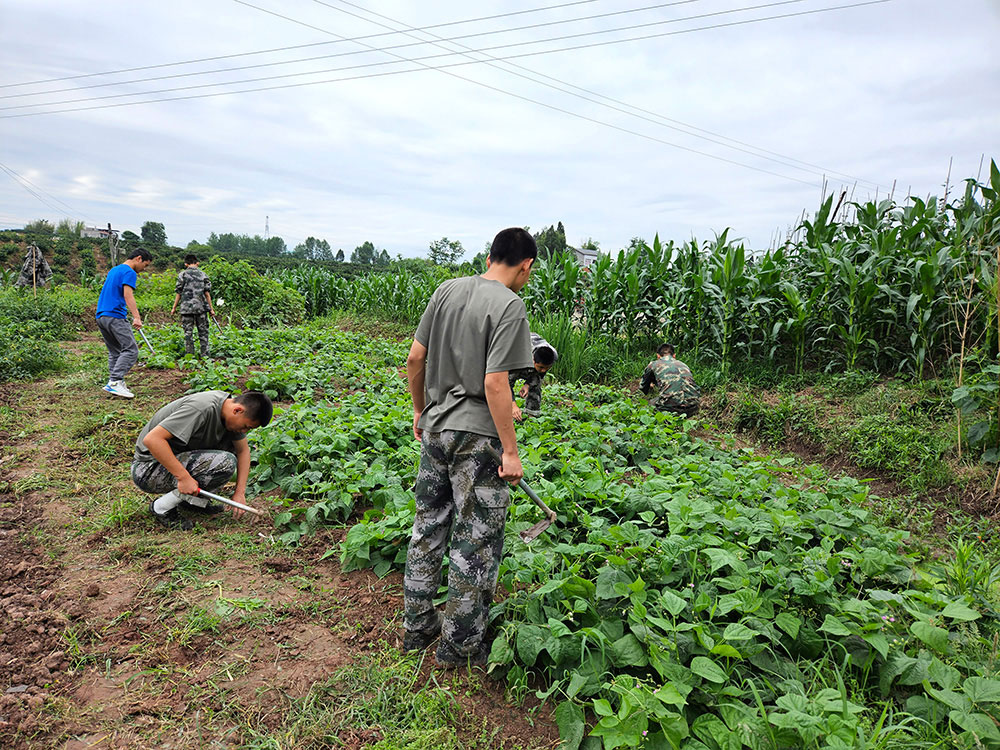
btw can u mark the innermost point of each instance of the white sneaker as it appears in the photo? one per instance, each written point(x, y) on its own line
point(117, 388)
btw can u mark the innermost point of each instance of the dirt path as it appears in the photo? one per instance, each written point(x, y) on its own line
point(115, 633)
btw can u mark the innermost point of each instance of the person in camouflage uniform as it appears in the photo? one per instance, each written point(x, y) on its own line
point(676, 390)
point(545, 356)
point(193, 292)
point(473, 332)
point(35, 271)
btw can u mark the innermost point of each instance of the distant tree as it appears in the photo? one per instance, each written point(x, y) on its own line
point(154, 235)
point(313, 249)
point(129, 240)
point(551, 240)
point(275, 246)
point(339, 257)
point(445, 252)
point(364, 254)
point(590, 244)
point(383, 259)
point(196, 248)
point(68, 228)
point(40, 227)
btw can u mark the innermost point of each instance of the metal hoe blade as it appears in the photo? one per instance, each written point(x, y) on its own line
point(550, 516)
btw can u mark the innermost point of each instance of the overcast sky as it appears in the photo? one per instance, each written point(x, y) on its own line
point(403, 154)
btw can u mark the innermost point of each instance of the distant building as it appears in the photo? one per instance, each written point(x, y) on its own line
point(584, 256)
point(97, 233)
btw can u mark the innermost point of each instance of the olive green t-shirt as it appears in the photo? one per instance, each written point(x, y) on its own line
point(195, 421)
point(472, 326)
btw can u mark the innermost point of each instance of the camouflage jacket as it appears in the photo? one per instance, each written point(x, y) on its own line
point(192, 285)
point(35, 271)
point(675, 386)
point(533, 379)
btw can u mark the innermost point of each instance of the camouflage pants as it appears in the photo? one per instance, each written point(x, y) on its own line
point(458, 490)
point(533, 379)
point(688, 410)
point(210, 469)
point(188, 322)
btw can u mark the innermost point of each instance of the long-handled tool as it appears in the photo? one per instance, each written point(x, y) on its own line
point(143, 334)
point(216, 322)
point(550, 516)
point(232, 503)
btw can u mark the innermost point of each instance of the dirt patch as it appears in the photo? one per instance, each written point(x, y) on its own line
point(33, 651)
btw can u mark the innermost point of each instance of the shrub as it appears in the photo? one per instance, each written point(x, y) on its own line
point(254, 298)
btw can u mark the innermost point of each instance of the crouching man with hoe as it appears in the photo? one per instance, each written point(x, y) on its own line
point(473, 332)
point(193, 444)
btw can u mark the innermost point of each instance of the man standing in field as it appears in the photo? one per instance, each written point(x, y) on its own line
point(545, 356)
point(116, 299)
point(193, 293)
point(676, 390)
point(198, 441)
point(472, 334)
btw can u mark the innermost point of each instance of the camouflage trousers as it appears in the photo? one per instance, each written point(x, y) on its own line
point(210, 469)
point(188, 322)
point(688, 410)
point(459, 491)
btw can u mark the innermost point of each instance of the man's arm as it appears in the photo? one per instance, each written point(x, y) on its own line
point(416, 364)
point(208, 298)
point(498, 399)
point(129, 295)
point(177, 298)
point(242, 450)
point(156, 441)
point(647, 380)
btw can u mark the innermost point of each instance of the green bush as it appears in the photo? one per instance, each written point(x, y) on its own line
point(255, 299)
point(28, 327)
point(905, 445)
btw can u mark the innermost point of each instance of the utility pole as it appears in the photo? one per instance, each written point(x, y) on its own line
point(267, 228)
point(112, 246)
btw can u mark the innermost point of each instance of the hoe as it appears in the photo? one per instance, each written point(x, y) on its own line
point(528, 534)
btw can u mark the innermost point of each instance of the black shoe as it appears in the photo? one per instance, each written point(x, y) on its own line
point(209, 510)
point(418, 640)
point(171, 519)
point(449, 658)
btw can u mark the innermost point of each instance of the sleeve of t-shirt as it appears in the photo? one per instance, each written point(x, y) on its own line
point(182, 422)
point(129, 277)
point(510, 348)
point(208, 284)
point(423, 333)
point(179, 286)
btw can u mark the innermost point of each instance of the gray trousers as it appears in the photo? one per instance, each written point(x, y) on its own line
point(461, 509)
point(210, 469)
point(122, 349)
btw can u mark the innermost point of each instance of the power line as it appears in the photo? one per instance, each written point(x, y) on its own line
point(290, 47)
point(419, 60)
point(631, 110)
point(359, 39)
point(37, 192)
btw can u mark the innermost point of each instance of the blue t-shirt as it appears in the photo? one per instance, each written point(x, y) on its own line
point(111, 303)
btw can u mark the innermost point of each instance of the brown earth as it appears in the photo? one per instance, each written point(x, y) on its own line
point(116, 633)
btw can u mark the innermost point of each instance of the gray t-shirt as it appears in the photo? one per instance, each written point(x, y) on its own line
point(472, 326)
point(195, 421)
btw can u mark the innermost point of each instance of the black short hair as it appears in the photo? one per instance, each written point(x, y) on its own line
point(189, 259)
point(141, 253)
point(666, 349)
point(512, 247)
point(545, 355)
point(258, 406)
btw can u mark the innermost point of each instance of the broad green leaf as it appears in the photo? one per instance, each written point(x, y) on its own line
point(789, 623)
point(670, 695)
point(708, 669)
point(724, 649)
point(576, 683)
point(980, 725)
point(834, 626)
point(960, 612)
point(982, 690)
point(879, 642)
point(736, 631)
point(949, 698)
point(570, 720)
point(671, 602)
point(628, 652)
point(602, 707)
point(933, 636)
point(530, 640)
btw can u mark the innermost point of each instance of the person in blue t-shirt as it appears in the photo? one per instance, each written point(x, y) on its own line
point(118, 297)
